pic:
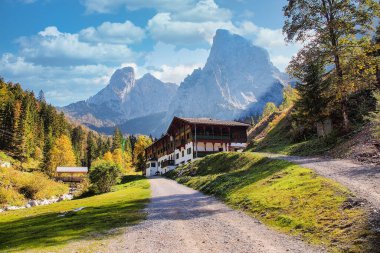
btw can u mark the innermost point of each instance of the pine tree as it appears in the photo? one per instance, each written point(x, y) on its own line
point(41, 96)
point(91, 149)
point(311, 106)
point(117, 139)
point(78, 140)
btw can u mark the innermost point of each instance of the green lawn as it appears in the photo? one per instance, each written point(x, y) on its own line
point(283, 195)
point(41, 226)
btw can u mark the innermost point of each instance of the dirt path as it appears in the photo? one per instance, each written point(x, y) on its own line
point(363, 180)
point(184, 220)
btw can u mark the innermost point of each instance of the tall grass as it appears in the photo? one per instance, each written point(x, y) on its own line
point(16, 187)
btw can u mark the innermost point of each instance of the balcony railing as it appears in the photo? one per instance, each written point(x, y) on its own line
point(212, 137)
point(167, 163)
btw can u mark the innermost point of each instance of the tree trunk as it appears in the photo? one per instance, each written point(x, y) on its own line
point(346, 122)
point(334, 43)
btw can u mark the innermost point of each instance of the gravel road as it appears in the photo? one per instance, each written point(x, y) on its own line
point(363, 180)
point(184, 220)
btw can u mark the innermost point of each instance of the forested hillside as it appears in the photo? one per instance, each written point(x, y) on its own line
point(38, 137)
point(338, 84)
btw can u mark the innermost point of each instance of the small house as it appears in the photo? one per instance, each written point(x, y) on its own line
point(71, 174)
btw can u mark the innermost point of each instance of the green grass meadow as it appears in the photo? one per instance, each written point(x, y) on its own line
point(283, 195)
point(41, 227)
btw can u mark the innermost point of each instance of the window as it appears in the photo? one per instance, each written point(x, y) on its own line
point(220, 149)
point(189, 151)
point(177, 156)
point(188, 136)
point(183, 153)
point(153, 165)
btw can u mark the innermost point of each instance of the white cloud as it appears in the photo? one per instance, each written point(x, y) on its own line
point(170, 64)
point(62, 85)
point(174, 74)
point(115, 33)
point(107, 6)
point(168, 54)
point(204, 10)
point(163, 28)
point(52, 47)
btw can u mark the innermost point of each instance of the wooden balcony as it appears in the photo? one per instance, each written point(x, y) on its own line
point(167, 163)
point(212, 137)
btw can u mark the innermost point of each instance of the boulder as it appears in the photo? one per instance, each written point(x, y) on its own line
point(33, 203)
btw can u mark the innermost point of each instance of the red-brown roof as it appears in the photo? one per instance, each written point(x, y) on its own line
point(208, 121)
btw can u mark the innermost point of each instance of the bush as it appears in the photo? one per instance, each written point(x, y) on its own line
point(104, 175)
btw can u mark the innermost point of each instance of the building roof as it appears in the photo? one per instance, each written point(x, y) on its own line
point(72, 169)
point(208, 121)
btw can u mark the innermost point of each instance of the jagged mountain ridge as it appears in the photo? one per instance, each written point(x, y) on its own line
point(238, 79)
point(124, 98)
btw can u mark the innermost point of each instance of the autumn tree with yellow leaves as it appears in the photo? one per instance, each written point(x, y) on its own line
point(62, 154)
point(139, 151)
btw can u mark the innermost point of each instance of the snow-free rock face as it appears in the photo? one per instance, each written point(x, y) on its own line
point(238, 79)
point(124, 98)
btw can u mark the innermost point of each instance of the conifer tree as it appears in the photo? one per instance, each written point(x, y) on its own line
point(311, 106)
point(117, 139)
point(91, 149)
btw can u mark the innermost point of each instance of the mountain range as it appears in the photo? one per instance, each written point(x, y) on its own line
point(237, 80)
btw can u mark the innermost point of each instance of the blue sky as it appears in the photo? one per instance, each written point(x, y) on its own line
point(70, 48)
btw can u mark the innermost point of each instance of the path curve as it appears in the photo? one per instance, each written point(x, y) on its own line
point(363, 180)
point(181, 219)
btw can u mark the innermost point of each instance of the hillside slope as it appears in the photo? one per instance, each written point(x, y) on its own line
point(275, 134)
point(285, 196)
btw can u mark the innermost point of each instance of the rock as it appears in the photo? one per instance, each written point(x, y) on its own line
point(352, 202)
point(11, 208)
point(28, 206)
point(33, 203)
point(1, 210)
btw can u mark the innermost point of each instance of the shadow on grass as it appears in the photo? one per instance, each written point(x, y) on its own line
point(130, 178)
point(50, 229)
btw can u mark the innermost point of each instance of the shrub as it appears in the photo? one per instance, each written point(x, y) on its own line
point(104, 175)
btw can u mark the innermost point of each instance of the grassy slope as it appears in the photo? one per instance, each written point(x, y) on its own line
point(276, 138)
point(40, 227)
point(283, 195)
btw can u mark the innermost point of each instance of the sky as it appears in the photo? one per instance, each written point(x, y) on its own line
point(70, 48)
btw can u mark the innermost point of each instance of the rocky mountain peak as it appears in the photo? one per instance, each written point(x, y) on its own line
point(233, 52)
point(123, 80)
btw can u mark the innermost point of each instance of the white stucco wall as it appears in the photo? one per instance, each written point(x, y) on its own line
point(186, 156)
point(151, 171)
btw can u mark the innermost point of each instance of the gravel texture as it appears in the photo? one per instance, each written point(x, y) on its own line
point(184, 220)
point(362, 180)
